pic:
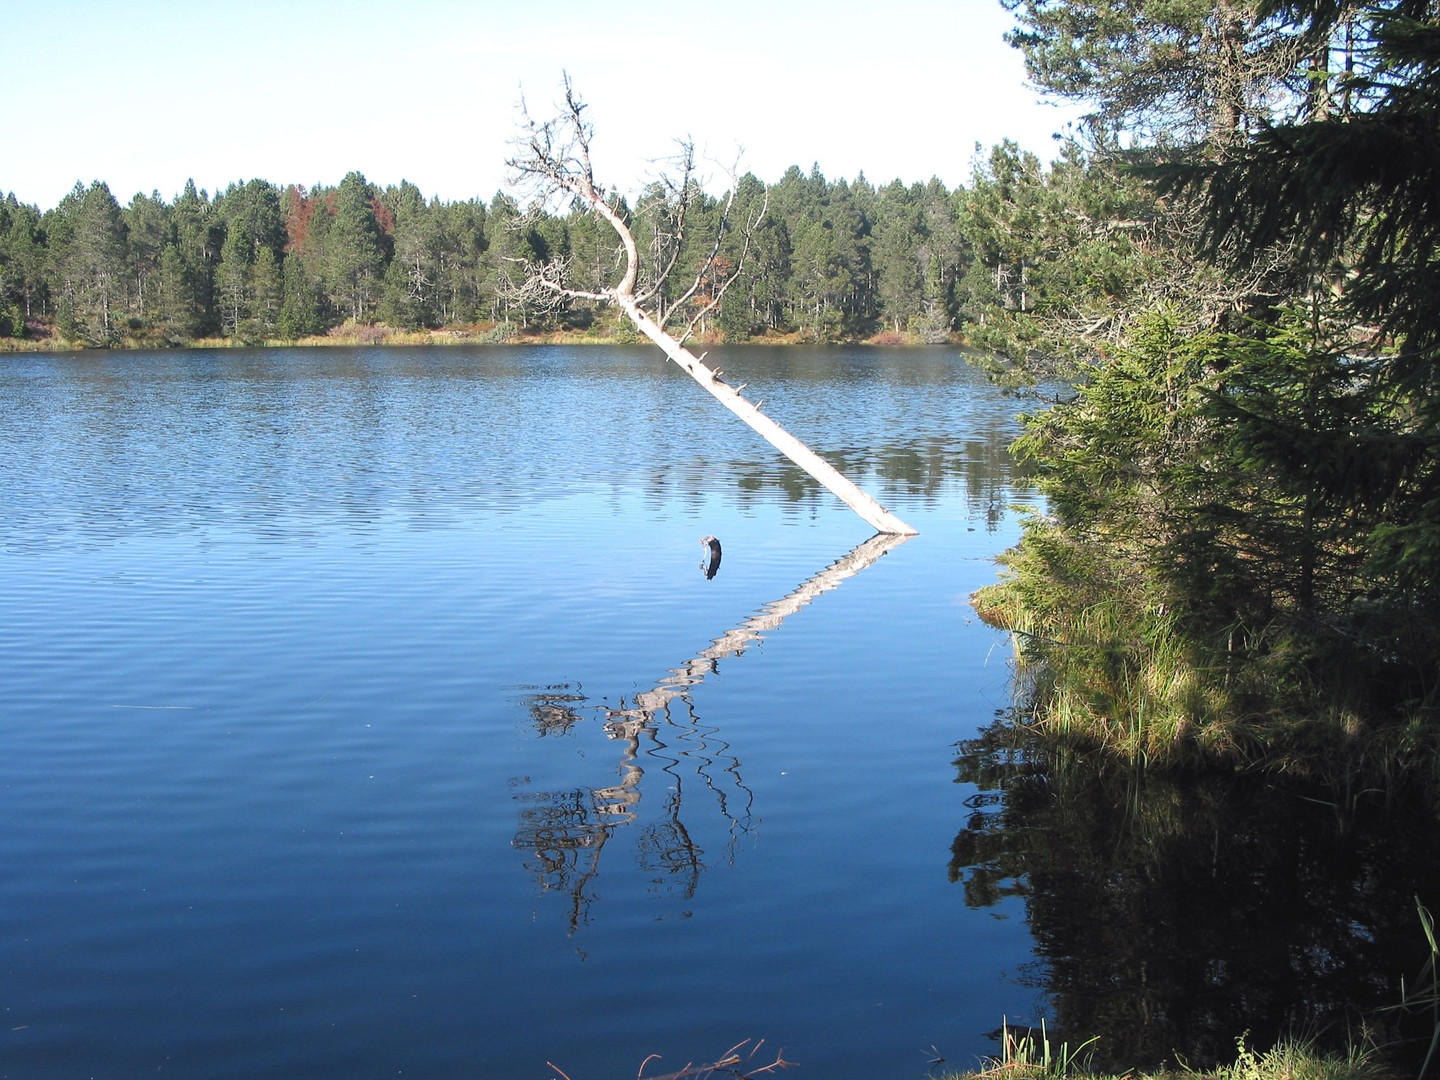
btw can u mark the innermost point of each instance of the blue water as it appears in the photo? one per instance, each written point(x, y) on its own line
point(320, 751)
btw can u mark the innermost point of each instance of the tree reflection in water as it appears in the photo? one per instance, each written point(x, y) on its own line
point(1171, 916)
point(564, 832)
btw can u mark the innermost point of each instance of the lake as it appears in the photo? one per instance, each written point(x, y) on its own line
point(368, 713)
point(372, 713)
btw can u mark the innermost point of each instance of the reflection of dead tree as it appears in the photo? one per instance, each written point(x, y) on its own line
point(565, 831)
point(554, 159)
point(734, 642)
point(552, 710)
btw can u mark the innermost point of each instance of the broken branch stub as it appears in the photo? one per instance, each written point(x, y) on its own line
point(554, 158)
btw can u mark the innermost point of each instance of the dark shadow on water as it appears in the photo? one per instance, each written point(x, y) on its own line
point(564, 832)
point(1172, 916)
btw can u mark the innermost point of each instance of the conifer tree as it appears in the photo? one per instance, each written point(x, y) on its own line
point(178, 317)
point(199, 234)
point(90, 264)
point(300, 307)
point(22, 261)
point(355, 258)
point(1167, 71)
point(1353, 198)
point(148, 231)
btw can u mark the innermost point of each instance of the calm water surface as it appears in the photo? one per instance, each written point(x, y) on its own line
point(368, 714)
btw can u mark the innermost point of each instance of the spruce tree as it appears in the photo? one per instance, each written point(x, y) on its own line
point(355, 259)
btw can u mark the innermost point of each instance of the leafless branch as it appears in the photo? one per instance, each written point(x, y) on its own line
point(717, 294)
point(678, 194)
point(554, 155)
point(553, 158)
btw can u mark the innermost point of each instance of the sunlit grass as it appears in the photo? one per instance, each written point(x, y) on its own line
point(1028, 1056)
point(1106, 674)
point(1104, 663)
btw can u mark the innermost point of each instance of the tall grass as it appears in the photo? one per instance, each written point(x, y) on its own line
point(1425, 997)
point(1296, 1059)
point(1104, 662)
point(1026, 1057)
point(1106, 673)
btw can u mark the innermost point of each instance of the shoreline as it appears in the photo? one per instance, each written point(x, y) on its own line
point(476, 335)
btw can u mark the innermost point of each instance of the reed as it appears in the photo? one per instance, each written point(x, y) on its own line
point(1025, 1054)
point(1424, 998)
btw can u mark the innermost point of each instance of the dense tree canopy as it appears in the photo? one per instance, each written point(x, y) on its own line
point(1244, 544)
point(832, 259)
point(1178, 71)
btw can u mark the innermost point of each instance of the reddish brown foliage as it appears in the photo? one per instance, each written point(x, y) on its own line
point(383, 217)
point(298, 209)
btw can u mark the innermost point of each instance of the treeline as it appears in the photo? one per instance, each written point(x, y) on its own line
point(830, 259)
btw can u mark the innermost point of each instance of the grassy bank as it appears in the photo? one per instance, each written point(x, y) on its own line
point(1031, 1056)
point(1102, 663)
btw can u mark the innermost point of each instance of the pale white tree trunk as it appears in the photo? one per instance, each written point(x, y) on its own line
point(879, 518)
point(557, 156)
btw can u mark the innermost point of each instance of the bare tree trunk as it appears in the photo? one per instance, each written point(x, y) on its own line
point(847, 491)
point(556, 154)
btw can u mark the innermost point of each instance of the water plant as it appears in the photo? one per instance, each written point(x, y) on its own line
point(1425, 998)
point(1030, 1055)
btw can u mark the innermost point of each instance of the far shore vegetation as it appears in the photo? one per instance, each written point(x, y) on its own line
point(42, 337)
point(832, 260)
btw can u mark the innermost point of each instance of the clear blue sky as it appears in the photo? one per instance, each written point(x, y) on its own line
point(146, 95)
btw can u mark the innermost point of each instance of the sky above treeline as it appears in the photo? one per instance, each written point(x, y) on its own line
point(145, 95)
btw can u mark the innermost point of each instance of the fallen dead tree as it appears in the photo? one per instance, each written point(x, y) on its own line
point(554, 159)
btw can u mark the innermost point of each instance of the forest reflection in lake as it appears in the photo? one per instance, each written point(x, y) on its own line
point(1174, 915)
point(325, 438)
